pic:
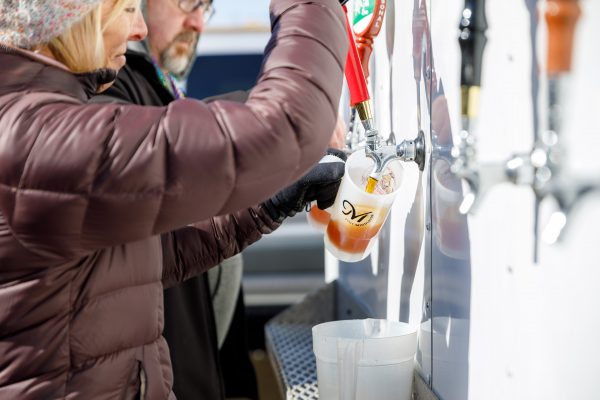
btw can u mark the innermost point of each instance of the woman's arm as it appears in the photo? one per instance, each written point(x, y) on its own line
point(75, 178)
point(196, 248)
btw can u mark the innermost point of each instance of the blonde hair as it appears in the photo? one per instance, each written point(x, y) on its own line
point(81, 47)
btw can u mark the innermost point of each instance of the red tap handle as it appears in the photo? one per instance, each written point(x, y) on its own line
point(367, 32)
point(357, 84)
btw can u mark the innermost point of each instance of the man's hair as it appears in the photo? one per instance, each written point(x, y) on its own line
point(81, 47)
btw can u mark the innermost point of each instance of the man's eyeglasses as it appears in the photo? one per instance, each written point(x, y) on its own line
point(189, 6)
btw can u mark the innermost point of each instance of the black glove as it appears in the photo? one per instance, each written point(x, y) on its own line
point(321, 183)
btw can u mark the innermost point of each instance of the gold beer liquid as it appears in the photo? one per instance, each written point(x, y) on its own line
point(319, 216)
point(371, 183)
point(350, 238)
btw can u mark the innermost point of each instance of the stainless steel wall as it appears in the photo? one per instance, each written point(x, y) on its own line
point(502, 314)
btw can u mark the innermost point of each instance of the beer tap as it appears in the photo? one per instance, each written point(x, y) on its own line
point(551, 179)
point(381, 154)
point(480, 177)
point(542, 168)
point(360, 98)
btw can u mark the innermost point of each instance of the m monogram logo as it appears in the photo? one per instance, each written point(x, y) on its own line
point(350, 211)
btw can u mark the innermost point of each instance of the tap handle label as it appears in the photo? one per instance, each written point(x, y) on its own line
point(367, 21)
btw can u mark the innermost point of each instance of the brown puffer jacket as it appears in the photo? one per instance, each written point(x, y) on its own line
point(86, 190)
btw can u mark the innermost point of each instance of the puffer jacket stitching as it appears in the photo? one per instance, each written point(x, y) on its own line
point(8, 226)
point(237, 239)
point(37, 135)
point(89, 192)
point(215, 230)
point(166, 388)
point(71, 315)
point(166, 171)
point(300, 34)
point(221, 121)
point(106, 143)
point(15, 190)
point(296, 33)
point(114, 353)
point(261, 225)
point(129, 195)
point(103, 295)
point(218, 239)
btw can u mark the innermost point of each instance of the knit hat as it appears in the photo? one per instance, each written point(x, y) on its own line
point(27, 23)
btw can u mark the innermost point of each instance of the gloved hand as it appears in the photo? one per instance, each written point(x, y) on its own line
point(321, 183)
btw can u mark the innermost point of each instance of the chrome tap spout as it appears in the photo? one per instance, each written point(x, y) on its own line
point(407, 151)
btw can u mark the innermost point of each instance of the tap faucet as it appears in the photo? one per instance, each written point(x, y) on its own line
point(551, 178)
point(356, 65)
point(542, 168)
point(408, 151)
point(472, 40)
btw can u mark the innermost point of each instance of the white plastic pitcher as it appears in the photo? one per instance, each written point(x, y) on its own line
point(364, 359)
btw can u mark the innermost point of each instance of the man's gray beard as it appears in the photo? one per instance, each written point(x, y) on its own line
point(178, 64)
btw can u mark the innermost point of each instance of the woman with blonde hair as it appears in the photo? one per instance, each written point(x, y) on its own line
point(99, 202)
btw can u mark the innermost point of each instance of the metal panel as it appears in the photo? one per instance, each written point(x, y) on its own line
point(390, 282)
point(499, 321)
point(447, 325)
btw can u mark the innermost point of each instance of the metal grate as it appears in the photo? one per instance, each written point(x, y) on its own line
point(289, 341)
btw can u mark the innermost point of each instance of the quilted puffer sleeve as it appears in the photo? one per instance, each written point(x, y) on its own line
point(75, 178)
point(198, 247)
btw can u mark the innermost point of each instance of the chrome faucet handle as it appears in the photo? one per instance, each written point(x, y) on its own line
point(480, 177)
point(407, 151)
point(554, 181)
point(568, 190)
point(490, 175)
point(551, 179)
point(480, 181)
point(464, 155)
